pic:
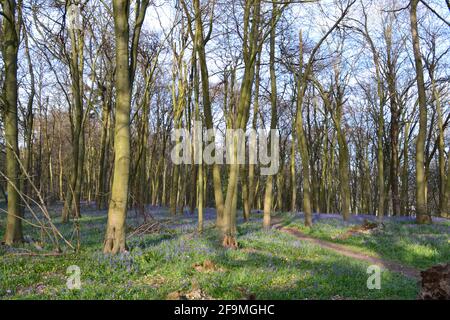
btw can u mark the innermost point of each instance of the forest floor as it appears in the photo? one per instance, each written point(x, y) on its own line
point(355, 254)
point(288, 262)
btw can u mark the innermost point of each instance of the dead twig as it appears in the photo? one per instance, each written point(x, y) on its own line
point(146, 228)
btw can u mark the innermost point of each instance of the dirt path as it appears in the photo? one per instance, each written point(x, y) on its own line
point(351, 253)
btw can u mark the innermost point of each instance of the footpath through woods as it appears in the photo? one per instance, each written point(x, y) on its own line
point(349, 252)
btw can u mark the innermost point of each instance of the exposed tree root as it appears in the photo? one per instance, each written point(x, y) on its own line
point(115, 241)
point(230, 242)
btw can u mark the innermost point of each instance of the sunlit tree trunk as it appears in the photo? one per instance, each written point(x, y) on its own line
point(302, 143)
point(344, 174)
point(252, 167)
point(115, 233)
point(10, 48)
point(200, 46)
point(251, 48)
point(200, 178)
point(268, 198)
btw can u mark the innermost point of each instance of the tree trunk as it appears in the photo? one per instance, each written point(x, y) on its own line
point(115, 233)
point(104, 148)
point(447, 192)
point(344, 173)
point(29, 119)
point(405, 173)
point(200, 47)
point(10, 47)
point(72, 203)
point(252, 167)
point(395, 122)
point(302, 143)
point(293, 174)
point(423, 216)
point(268, 198)
point(443, 201)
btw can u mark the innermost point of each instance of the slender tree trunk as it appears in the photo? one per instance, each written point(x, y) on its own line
point(179, 106)
point(380, 161)
point(61, 172)
point(72, 203)
point(344, 157)
point(199, 134)
point(405, 173)
point(394, 172)
point(76, 210)
point(200, 43)
point(302, 143)
point(245, 194)
point(29, 120)
point(268, 198)
point(443, 200)
point(251, 49)
point(307, 209)
point(395, 125)
point(447, 192)
point(280, 187)
point(104, 146)
point(325, 163)
point(251, 166)
point(422, 213)
point(344, 170)
point(174, 189)
point(293, 174)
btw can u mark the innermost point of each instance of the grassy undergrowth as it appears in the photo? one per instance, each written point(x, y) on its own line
point(419, 246)
point(268, 265)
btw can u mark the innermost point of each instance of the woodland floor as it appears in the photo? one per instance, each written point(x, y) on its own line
point(288, 262)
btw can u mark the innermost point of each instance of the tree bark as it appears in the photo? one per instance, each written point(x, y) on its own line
point(115, 233)
point(422, 214)
point(268, 198)
point(395, 122)
point(10, 48)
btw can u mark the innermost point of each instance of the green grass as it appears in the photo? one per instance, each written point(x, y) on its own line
point(268, 265)
point(419, 246)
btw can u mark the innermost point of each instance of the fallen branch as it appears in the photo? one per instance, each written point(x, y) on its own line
point(151, 227)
